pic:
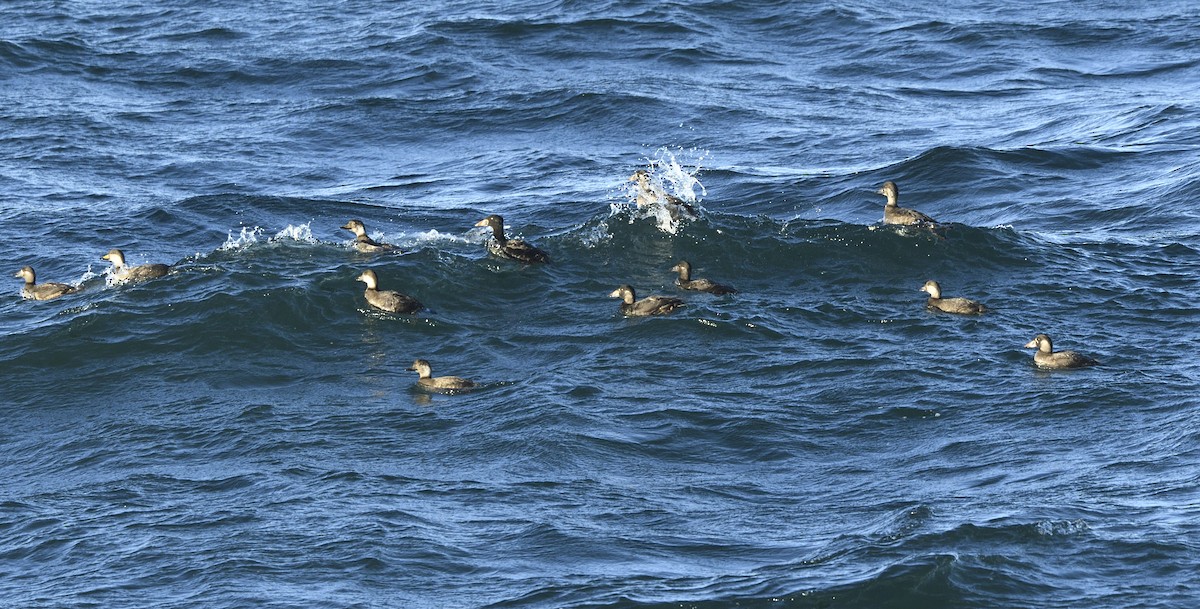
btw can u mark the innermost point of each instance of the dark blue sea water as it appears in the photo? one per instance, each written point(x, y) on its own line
point(244, 433)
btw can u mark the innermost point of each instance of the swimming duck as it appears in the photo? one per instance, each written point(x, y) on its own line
point(648, 195)
point(650, 305)
point(362, 242)
point(1047, 357)
point(894, 214)
point(686, 282)
point(129, 274)
point(387, 300)
point(441, 382)
point(963, 306)
point(513, 249)
point(41, 291)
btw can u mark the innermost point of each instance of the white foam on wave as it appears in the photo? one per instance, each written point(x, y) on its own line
point(88, 275)
point(301, 233)
point(433, 235)
point(600, 234)
point(248, 236)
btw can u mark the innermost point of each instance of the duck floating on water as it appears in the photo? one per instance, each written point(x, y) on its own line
point(685, 281)
point(1047, 357)
point(131, 274)
point(513, 249)
point(365, 244)
point(894, 214)
point(387, 300)
point(427, 380)
point(41, 291)
point(962, 306)
point(650, 305)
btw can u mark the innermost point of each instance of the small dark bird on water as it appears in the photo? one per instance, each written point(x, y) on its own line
point(685, 281)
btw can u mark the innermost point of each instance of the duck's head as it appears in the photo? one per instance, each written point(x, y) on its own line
point(932, 288)
point(493, 221)
point(355, 226)
point(625, 293)
point(115, 256)
point(1041, 342)
point(641, 176)
point(368, 277)
point(421, 367)
point(890, 191)
point(26, 273)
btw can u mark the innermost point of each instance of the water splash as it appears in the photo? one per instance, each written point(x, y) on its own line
point(87, 276)
point(247, 237)
point(433, 235)
point(302, 233)
point(670, 178)
point(679, 178)
point(598, 233)
point(109, 273)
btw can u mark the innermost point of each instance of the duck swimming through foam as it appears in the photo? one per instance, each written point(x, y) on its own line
point(513, 249)
point(41, 291)
point(132, 274)
point(365, 244)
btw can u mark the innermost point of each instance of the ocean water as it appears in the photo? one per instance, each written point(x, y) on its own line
point(244, 432)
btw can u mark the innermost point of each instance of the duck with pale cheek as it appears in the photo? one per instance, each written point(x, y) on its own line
point(1047, 357)
point(650, 305)
point(685, 281)
point(387, 300)
point(41, 291)
point(894, 214)
point(962, 306)
point(365, 244)
point(513, 249)
point(132, 274)
point(442, 383)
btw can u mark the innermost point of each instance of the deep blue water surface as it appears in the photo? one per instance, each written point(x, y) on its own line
point(244, 432)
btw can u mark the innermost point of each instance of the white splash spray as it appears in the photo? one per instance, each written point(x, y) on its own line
point(248, 237)
point(301, 233)
point(670, 179)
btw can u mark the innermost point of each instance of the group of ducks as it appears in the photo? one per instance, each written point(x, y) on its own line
point(1044, 357)
point(121, 273)
point(501, 246)
point(647, 194)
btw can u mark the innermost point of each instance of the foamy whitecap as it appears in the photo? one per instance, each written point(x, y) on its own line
point(1053, 528)
point(434, 235)
point(600, 234)
point(302, 233)
point(88, 275)
point(247, 237)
